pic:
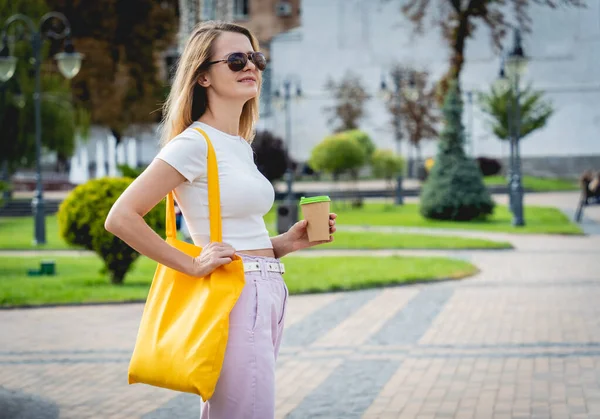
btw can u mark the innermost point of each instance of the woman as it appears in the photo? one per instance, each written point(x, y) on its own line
point(216, 88)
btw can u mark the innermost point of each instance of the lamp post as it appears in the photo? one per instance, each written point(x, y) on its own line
point(503, 85)
point(516, 63)
point(404, 82)
point(69, 63)
point(287, 212)
point(470, 147)
point(287, 96)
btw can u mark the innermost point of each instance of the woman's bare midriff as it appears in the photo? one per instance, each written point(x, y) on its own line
point(258, 252)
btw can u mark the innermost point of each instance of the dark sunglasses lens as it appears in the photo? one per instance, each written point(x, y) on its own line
point(237, 61)
point(259, 60)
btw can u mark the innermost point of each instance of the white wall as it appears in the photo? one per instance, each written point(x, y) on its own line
point(368, 36)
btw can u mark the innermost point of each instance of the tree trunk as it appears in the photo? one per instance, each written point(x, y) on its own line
point(117, 278)
point(457, 58)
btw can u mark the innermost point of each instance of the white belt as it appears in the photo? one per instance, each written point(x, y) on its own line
point(271, 267)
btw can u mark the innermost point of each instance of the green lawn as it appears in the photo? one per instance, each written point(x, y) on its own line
point(16, 233)
point(542, 220)
point(357, 240)
point(78, 279)
point(538, 184)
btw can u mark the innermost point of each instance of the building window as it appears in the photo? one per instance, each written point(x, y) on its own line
point(266, 93)
point(241, 9)
point(208, 9)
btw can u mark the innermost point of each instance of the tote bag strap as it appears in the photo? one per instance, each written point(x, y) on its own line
point(214, 198)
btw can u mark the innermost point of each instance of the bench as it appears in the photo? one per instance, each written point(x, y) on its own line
point(590, 193)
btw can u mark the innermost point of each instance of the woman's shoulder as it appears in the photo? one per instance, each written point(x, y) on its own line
point(188, 139)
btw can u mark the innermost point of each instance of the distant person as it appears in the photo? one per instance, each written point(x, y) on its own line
point(216, 88)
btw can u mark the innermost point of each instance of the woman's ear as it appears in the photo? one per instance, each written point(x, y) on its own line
point(203, 80)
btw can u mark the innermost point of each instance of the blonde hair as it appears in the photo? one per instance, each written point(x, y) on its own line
point(187, 100)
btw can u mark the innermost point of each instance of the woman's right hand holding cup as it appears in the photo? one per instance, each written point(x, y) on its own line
point(212, 256)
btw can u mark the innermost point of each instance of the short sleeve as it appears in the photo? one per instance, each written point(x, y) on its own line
point(187, 154)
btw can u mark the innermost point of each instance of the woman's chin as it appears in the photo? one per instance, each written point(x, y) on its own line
point(249, 92)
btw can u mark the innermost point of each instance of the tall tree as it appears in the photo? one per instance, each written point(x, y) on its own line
point(499, 105)
point(417, 112)
point(350, 97)
point(122, 41)
point(458, 20)
point(454, 189)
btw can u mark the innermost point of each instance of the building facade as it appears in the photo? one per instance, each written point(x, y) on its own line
point(368, 37)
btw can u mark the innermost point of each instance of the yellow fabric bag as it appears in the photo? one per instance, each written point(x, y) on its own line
point(185, 324)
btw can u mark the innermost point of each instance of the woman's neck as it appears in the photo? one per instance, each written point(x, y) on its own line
point(223, 115)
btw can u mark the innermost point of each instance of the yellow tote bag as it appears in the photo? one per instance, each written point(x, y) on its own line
point(185, 324)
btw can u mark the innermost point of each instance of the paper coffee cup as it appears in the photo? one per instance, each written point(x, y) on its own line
point(315, 210)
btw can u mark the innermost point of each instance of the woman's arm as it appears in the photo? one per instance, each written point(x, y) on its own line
point(281, 246)
point(125, 219)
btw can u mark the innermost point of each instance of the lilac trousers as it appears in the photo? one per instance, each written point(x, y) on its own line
point(246, 386)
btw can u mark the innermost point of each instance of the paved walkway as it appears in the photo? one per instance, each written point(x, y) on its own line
point(519, 340)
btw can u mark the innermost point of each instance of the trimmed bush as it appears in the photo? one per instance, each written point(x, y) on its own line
point(489, 166)
point(3, 187)
point(386, 164)
point(128, 171)
point(81, 219)
point(454, 189)
point(270, 155)
point(337, 154)
point(364, 140)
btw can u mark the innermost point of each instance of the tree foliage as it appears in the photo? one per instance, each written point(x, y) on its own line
point(122, 41)
point(364, 140)
point(454, 189)
point(534, 111)
point(337, 154)
point(459, 19)
point(350, 97)
point(417, 112)
point(270, 155)
point(17, 121)
point(386, 164)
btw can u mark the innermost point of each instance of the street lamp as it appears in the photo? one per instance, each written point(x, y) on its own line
point(516, 63)
point(470, 145)
point(287, 96)
point(502, 84)
point(404, 84)
point(69, 63)
point(287, 212)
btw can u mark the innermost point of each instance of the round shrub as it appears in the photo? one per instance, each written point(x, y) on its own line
point(337, 154)
point(364, 140)
point(386, 164)
point(81, 218)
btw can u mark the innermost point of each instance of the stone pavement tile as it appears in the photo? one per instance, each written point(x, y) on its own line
point(465, 414)
point(326, 318)
point(516, 315)
point(70, 328)
point(301, 306)
point(83, 392)
point(295, 380)
point(409, 325)
point(368, 319)
point(339, 399)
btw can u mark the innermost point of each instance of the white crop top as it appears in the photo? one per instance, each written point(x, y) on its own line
point(246, 195)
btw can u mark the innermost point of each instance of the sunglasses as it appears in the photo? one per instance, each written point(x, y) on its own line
point(236, 61)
